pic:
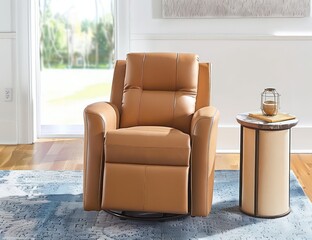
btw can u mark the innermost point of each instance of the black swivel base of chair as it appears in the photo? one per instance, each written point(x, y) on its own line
point(143, 216)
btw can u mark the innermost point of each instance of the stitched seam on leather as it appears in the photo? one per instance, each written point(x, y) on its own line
point(101, 168)
point(153, 165)
point(118, 145)
point(191, 175)
point(139, 113)
point(175, 90)
point(208, 150)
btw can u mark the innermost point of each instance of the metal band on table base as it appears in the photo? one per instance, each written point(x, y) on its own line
point(256, 173)
point(266, 217)
point(256, 176)
point(142, 216)
point(241, 166)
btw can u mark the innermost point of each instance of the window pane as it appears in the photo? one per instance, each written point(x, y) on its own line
point(76, 59)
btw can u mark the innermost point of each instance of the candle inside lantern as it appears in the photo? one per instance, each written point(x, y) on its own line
point(270, 108)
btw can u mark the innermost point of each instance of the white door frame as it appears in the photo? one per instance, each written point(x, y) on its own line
point(24, 73)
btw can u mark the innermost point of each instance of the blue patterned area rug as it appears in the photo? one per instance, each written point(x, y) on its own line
point(48, 205)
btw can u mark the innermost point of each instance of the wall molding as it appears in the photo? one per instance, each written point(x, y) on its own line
point(225, 37)
point(7, 35)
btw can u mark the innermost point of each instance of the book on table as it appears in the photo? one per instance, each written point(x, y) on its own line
point(279, 117)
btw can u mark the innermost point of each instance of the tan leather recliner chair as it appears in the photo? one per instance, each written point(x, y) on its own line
point(152, 147)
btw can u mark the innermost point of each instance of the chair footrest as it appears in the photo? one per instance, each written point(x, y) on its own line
point(145, 188)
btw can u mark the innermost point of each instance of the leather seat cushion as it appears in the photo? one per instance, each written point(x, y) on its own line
point(148, 145)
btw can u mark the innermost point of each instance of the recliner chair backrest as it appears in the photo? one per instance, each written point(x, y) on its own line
point(160, 89)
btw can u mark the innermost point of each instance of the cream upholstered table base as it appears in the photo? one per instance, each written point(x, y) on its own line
point(264, 167)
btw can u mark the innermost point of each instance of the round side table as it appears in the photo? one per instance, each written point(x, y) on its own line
point(264, 166)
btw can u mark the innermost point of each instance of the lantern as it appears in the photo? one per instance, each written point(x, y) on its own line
point(270, 102)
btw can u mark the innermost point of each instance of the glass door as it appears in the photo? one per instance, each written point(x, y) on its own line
point(76, 62)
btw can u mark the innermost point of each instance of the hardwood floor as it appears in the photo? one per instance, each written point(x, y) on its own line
point(52, 154)
point(301, 164)
point(67, 154)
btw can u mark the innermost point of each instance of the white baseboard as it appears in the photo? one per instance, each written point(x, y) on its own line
point(60, 131)
point(229, 137)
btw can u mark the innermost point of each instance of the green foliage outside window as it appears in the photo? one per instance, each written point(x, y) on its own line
point(65, 43)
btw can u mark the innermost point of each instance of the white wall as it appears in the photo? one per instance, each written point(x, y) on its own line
point(8, 131)
point(247, 56)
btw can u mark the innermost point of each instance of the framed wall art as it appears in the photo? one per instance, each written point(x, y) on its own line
point(235, 8)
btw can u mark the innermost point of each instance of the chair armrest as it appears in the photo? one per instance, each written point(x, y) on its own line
point(99, 118)
point(204, 135)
